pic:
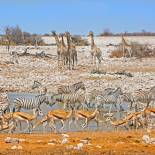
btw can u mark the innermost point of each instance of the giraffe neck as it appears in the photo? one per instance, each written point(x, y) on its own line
point(68, 41)
point(63, 43)
point(57, 40)
point(124, 42)
point(92, 42)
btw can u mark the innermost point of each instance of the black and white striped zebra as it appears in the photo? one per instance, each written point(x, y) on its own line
point(137, 99)
point(94, 93)
point(30, 103)
point(70, 99)
point(109, 98)
point(152, 95)
point(71, 89)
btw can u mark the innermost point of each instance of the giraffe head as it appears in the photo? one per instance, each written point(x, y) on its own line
point(53, 33)
point(67, 34)
point(90, 33)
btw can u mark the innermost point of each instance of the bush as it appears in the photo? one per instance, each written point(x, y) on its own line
point(138, 50)
point(15, 36)
point(117, 53)
point(77, 40)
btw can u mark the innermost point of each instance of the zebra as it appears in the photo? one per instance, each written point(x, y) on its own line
point(71, 89)
point(109, 98)
point(137, 98)
point(94, 93)
point(152, 94)
point(70, 99)
point(32, 103)
point(40, 88)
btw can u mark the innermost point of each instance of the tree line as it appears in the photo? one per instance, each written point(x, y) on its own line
point(107, 32)
point(15, 36)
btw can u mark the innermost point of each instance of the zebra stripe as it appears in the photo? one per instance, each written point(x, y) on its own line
point(137, 97)
point(94, 93)
point(71, 89)
point(110, 97)
point(32, 103)
point(70, 99)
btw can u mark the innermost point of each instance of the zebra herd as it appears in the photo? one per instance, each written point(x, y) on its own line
point(79, 102)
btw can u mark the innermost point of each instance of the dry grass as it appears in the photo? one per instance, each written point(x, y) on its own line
point(116, 53)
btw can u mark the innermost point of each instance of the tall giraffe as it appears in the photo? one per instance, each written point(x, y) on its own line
point(73, 47)
point(126, 48)
point(71, 50)
point(64, 50)
point(58, 46)
point(95, 51)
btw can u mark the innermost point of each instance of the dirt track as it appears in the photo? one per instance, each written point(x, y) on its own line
point(117, 143)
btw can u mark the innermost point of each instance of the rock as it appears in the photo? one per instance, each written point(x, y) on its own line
point(14, 147)
point(19, 147)
point(22, 140)
point(146, 139)
point(80, 146)
point(7, 140)
point(69, 147)
point(65, 135)
point(50, 143)
point(54, 141)
point(98, 146)
point(64, 141)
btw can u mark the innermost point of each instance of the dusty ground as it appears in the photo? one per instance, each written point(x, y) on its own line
point(108, 143)
point(20, 77)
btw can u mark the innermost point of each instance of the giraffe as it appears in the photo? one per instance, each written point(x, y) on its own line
point(64, 50)
point(126, 48)
point(72, 49)
point(95, 51)
point(58, 46)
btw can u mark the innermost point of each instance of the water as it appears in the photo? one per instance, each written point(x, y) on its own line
point(45, 108)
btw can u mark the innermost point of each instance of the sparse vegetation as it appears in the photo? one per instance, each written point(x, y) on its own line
point(117, 53)
point(79, 41)
point(138, 50)
point(15, 36)
point(107, 32)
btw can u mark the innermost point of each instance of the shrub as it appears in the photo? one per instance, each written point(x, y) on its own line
point(79, 41)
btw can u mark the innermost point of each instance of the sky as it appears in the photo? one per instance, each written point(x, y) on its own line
point(78, 16)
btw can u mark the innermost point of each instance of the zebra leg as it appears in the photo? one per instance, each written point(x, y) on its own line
point(62, 128)
point(28, 126)
point(110, 108)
